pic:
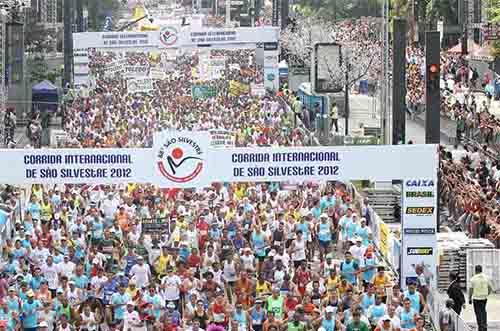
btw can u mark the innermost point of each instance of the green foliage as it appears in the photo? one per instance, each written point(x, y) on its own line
point(37, 66)
point(339, 9)
point(494, 17)
point(399, 8)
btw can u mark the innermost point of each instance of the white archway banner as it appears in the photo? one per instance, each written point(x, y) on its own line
point(187, 159)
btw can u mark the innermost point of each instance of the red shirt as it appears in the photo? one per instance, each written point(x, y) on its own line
point(194, 261)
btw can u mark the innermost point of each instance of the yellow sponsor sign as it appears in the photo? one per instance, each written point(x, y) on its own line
point(236, 88)
point(384, 238)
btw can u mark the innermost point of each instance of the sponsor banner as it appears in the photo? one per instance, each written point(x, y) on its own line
point(157, 74)
point(140, 85)
point(221, 138)
point(136, 71)
point(181, 159)
point(257, 89)
point(187, 160)
point(203, 91)
point(384, 243)
point(419, 207)
point(419, 259)
point(419, 250)
point(420, 231)
point(419, 194)
point(236, 88)
point(420, 211)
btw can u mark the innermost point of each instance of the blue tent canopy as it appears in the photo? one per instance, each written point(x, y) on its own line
point(44, 96)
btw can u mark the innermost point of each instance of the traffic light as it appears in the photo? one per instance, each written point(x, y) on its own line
point(433, 77)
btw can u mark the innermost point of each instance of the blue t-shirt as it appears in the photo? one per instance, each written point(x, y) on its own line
point(325, 202)
point(259, 243)
point(120, 299)
point(81, 281)
point(97, 230)
point(30, 314)
point(156, 302)
point(36, 281)
point(35, 210)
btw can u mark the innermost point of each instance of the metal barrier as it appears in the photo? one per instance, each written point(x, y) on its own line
point(436, 301)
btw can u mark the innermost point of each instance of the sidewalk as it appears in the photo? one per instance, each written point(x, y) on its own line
point(448, 127)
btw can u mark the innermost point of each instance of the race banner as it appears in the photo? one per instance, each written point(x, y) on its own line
point(236, 88)
point(140, 85)
point(115, 68)
point(257, 89)
point(157, 74)
point(217, 66)
point(136, 71)
point(203, 92)
point(222, 138)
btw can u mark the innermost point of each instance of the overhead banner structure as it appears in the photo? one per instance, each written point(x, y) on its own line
point(169, 37)
point(185, 159)
point(419, 225)
point(410, 162)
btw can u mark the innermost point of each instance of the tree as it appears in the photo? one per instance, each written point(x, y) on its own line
point(340, 9)
point(39, 42)
point(361, 52)
point(494, 17)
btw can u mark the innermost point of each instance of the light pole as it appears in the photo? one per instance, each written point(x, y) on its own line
point(346, 96)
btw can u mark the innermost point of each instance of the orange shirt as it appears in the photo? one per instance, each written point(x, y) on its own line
point(123, 221)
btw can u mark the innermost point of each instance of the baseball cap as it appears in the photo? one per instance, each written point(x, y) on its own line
point(43, 324)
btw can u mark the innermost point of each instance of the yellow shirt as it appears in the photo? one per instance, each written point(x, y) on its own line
point(332, 282)
point(46, 210)
point(130, 292)
point(262, 288)
point(480, 285)
point(161, 264)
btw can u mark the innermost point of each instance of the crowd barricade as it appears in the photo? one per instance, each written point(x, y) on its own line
point(312, 139)
point(14, 214)
point(436, 301)
point(390, 255)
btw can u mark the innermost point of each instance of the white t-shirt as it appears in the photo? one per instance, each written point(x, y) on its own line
point(133, 322)
point(141, 274)
point(51, 275)
point(357, 252)
point(66, 268)
point(88, 321)
point(109, 207)
point(171, 291)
